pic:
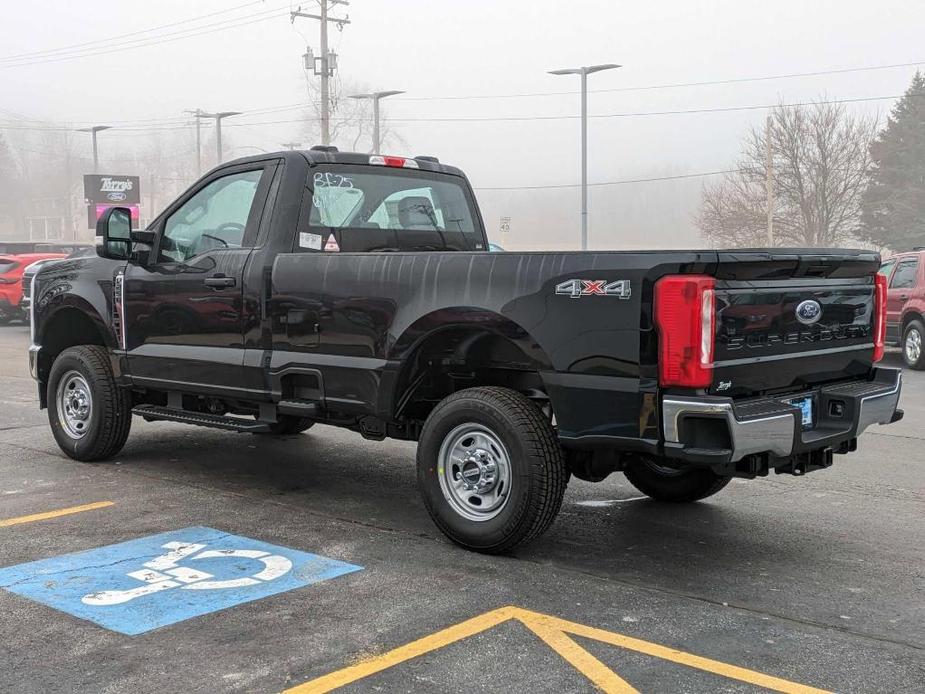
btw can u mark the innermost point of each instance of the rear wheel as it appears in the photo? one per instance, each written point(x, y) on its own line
point(913, 347)
point(490, 469)
point(663, 483)
point(90, 415)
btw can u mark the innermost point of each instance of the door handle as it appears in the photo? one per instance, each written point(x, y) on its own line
point(904, 297)
point(219, 281)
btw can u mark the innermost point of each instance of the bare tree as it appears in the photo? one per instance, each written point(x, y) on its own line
point(819, 162)
point(351, 120)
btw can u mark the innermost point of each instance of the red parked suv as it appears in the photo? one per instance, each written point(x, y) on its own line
point(11, 269)
point(905, 305)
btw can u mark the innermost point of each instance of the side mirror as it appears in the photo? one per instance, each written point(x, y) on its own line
point(114, 234)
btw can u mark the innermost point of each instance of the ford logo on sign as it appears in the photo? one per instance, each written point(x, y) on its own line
point(116, 196)
point(809, 311)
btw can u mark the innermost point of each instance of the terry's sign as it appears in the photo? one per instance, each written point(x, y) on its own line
point(107, 189)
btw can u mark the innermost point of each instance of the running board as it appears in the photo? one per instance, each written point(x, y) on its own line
point(155, 413)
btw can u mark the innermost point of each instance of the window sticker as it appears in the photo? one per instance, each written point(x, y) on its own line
point(329, 179)
point(308, 240)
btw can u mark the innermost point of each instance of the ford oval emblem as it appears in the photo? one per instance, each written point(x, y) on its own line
point(809, 311)
point(116, 196)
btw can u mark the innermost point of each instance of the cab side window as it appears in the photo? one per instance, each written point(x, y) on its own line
point(214, 218)
point(904, 275)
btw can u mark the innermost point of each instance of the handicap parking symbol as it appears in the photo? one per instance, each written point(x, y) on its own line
point(136, 586)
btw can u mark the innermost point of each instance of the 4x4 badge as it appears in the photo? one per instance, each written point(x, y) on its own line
point(579, 288)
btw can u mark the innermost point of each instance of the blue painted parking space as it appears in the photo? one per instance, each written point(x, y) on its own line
point(136, 586)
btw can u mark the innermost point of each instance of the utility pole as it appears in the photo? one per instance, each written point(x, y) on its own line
point(290, 145)
point(769, 181)
point(93, 131)
point(324, 65)
point(375, 97)
point(197, 114)
point(151, 194)
point(584, 72)
point(218, 127)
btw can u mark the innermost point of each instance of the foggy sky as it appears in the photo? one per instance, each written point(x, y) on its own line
point(476, 47)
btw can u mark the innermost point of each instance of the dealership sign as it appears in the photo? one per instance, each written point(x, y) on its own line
point(105, 189)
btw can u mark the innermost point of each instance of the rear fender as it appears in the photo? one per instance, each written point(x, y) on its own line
point(484, 336)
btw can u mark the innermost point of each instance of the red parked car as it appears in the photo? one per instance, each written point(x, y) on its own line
point(905, 305)
point(11, 269)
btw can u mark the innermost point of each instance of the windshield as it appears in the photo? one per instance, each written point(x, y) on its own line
point(406, 207)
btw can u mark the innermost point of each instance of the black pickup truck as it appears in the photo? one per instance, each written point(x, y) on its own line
point(357, 290)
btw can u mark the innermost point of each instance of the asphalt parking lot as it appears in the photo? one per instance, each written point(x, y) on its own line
point(793, 584)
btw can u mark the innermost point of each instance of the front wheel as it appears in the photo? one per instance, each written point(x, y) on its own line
point(668, 484)
point(90, 415)
point(490, 469)
point(913, 347)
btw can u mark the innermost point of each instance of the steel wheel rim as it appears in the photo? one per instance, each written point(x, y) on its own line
point(75, 404)
point(474, 471)
point(913, 346)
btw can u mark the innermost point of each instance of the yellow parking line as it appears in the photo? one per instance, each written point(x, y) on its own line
point(54, 514)
point(671, 654)
point(556, 633)
point(457, 632)
point(592, 668)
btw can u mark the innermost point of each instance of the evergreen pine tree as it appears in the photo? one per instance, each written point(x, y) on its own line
point(894, 204)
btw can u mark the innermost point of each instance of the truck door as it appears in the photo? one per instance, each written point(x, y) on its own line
point(184, 308)
point(902, 284)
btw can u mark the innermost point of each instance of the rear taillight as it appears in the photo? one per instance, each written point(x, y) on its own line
point(879, 316)
point(685, 315)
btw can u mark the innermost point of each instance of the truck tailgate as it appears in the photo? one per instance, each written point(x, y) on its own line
point(792, 319)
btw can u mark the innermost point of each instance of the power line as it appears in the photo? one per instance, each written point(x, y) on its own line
point(70, 47)
point(634, 114)
point(233, 23)
point(628, 114)
point(298, 105)
point(672, 85)
point(612, 183)
point(141, 129)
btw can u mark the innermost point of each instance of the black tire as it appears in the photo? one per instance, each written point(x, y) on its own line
point(914, 327)
point(110, 415)
point(286, 425)
point(676, 486)
point(536, 470)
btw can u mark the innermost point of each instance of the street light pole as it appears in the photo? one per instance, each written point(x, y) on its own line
point(584, 72)
point(218, 127)
point(93, 131)
point(375, 97)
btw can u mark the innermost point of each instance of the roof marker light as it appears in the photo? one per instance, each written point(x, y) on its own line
point(399, 162)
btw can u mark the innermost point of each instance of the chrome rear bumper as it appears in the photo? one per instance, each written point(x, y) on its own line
point(773, 426)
